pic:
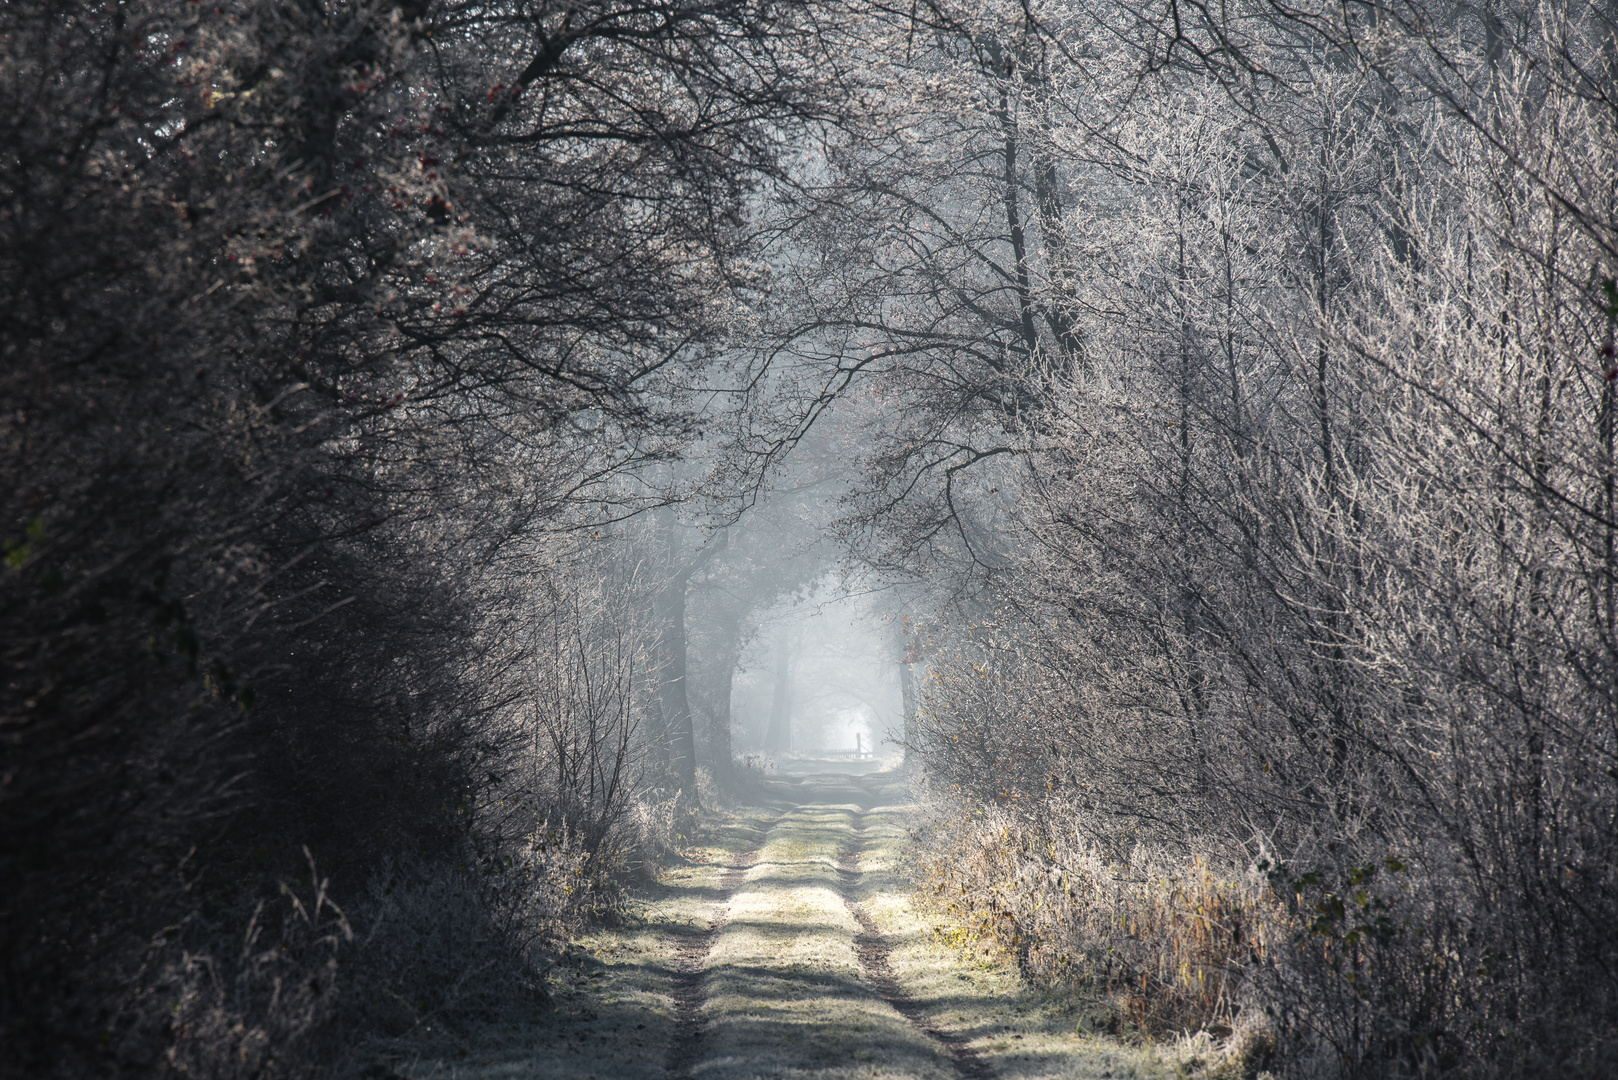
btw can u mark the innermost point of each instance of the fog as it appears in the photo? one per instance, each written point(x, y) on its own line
point(451, 447)
point(820, 679)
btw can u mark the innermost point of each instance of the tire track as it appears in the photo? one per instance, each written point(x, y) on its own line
point(690, 949)
point(873, 948)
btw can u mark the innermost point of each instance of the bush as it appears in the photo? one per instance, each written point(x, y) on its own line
point(1160, 938)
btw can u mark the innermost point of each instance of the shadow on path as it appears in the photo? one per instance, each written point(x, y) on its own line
point(872, 948)
point(690, 949)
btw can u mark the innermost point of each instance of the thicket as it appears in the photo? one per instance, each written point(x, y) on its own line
point(1229, 394)
point(335, 336)
point(1284, 702)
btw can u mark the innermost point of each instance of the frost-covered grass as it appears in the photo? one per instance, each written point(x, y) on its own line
point(610, 1015)
point(1019, 1032)
point(785, 993)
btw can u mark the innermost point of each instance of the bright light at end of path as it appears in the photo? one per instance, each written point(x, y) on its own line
point(859, 723)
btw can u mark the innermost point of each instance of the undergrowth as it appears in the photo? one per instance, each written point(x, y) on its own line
point(1165, 942)
point(1352, 970)
point(419, 961)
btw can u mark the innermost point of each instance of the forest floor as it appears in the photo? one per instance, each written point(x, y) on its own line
point(787, 946)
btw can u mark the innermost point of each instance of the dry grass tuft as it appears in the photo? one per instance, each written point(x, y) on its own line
point(1167, 943)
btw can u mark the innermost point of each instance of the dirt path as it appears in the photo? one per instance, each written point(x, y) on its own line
point(874, 949)
point(690, 951)
point(788, 948)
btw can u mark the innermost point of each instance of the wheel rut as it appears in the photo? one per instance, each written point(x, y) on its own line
point(873, 948)
point(690, 949)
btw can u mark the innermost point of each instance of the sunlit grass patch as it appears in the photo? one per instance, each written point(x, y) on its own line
point(786, 993)
point(1019, 1030)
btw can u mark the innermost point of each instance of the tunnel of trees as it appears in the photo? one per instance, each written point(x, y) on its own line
point(432, 427)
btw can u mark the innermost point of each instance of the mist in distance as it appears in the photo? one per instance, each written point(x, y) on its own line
point(454, 450)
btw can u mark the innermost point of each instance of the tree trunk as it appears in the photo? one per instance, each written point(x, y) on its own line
point(779, 735)
point(723, 683)
point(906, 655)
point(723, 755)
point(907, 695)
point(676, 706)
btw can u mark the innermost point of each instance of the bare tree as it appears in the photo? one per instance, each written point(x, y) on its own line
point(1307, 526)
point(324, 321)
